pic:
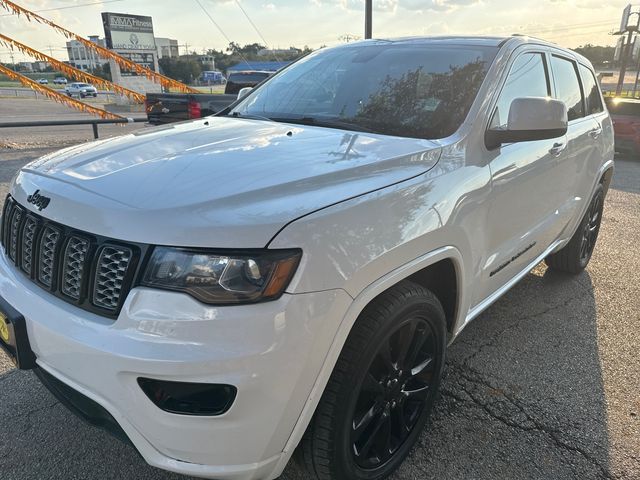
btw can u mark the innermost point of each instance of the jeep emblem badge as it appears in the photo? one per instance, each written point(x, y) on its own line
point(39, 201)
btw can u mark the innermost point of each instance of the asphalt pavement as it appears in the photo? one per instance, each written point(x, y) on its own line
point(31, 109)
point(544, 385)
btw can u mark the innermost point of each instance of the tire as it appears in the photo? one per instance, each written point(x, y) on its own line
point(575, 256)
point(343, 442)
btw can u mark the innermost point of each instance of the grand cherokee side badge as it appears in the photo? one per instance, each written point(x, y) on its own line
point(39, 201)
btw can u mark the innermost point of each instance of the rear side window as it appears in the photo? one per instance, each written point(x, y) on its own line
point(591, 90)
point(527, 78)
point(567, 86)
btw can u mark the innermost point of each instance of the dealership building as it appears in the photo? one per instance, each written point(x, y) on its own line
point(84, 58)
point(87, 60)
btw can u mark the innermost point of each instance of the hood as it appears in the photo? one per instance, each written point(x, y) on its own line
point(216, 182)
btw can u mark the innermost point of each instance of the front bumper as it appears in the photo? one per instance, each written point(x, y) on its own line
point(272, 352)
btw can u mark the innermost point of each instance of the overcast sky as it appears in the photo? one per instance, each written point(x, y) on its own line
point(321, 22)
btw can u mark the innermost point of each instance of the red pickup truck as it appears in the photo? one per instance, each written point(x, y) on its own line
point(625, 113)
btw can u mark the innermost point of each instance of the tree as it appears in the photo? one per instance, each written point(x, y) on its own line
point(235, 53)
point(183, 70)
point(103, 71)
point(598, 55)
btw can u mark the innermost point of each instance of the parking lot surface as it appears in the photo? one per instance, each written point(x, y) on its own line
point(30, 109)
point(543, 385)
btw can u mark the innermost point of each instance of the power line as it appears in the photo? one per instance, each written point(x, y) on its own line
point(255, 28)
point(563, 28)
point(65, 8)
point(220, 29)
point(574, 26)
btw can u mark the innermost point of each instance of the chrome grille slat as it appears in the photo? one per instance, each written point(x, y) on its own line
point(6, 215)
point(73, 266)
point(47, 255)
point(111, 269)
point(28, 240)
point(94, 273)
point(14, 231)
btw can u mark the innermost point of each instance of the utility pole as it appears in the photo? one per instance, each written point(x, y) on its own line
point(627, 48)
point(635, 85)
point(627, 51)
point(368, 19)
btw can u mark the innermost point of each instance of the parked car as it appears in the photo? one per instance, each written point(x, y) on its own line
point(292, 269)
point(81, 90)
point(175, 107)
point(213, 77)
point(239, 80)
point(60, 81)
point(625, 113)
point(43, 81)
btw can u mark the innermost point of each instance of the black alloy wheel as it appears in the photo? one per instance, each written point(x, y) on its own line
point(590, 229)
point(393, 393)
point(575, 255)
point(382, 388)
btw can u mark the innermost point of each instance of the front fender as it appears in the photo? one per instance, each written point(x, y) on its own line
point(349, 319)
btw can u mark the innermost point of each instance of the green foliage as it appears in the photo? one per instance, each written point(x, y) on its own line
point(184, 70)
point(103, 71)
point(235, 53)
point(597, 54)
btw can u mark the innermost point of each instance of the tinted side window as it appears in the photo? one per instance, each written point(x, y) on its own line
point(591, 90)
point(527, 78)
point(567, 86)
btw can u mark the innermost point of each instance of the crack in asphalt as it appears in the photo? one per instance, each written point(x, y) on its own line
point(531, 424)
point(30, 412)
point(491, 341)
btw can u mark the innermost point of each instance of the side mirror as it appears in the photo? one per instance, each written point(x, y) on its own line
point(244, 92)
point(530, 118)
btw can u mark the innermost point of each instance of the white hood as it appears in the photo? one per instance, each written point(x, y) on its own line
point(216, 182)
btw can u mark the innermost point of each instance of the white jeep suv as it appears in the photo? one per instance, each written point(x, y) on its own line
point(291, 270)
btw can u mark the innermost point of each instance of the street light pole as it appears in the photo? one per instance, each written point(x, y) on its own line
point(368, 18)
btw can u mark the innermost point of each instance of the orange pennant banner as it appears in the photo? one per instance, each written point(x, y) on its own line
point(71, 71)
point(103, 52)
point(58, 97)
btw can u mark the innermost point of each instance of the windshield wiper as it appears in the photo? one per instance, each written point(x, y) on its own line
point(325, 122)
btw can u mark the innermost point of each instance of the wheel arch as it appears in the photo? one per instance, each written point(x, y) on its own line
point(606, 177)
point(443, 263)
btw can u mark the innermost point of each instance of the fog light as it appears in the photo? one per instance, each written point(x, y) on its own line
point(205, 399)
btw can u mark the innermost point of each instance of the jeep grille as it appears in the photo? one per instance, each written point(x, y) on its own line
point(93, 272)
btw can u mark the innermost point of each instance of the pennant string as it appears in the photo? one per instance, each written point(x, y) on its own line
point(58, 97)
point(71, 71)
point(166, 82)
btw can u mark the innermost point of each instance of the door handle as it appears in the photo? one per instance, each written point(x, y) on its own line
point(595, 133)
point(557, 149)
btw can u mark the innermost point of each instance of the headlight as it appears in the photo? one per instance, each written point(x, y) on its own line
point(221, 278)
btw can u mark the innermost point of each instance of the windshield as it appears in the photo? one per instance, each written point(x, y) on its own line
point(409, 90)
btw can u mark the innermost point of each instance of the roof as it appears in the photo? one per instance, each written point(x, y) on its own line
point(492, 41)
point(256, 65)
point(489, 41)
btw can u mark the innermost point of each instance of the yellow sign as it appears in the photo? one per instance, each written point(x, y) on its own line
point(4, 329)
